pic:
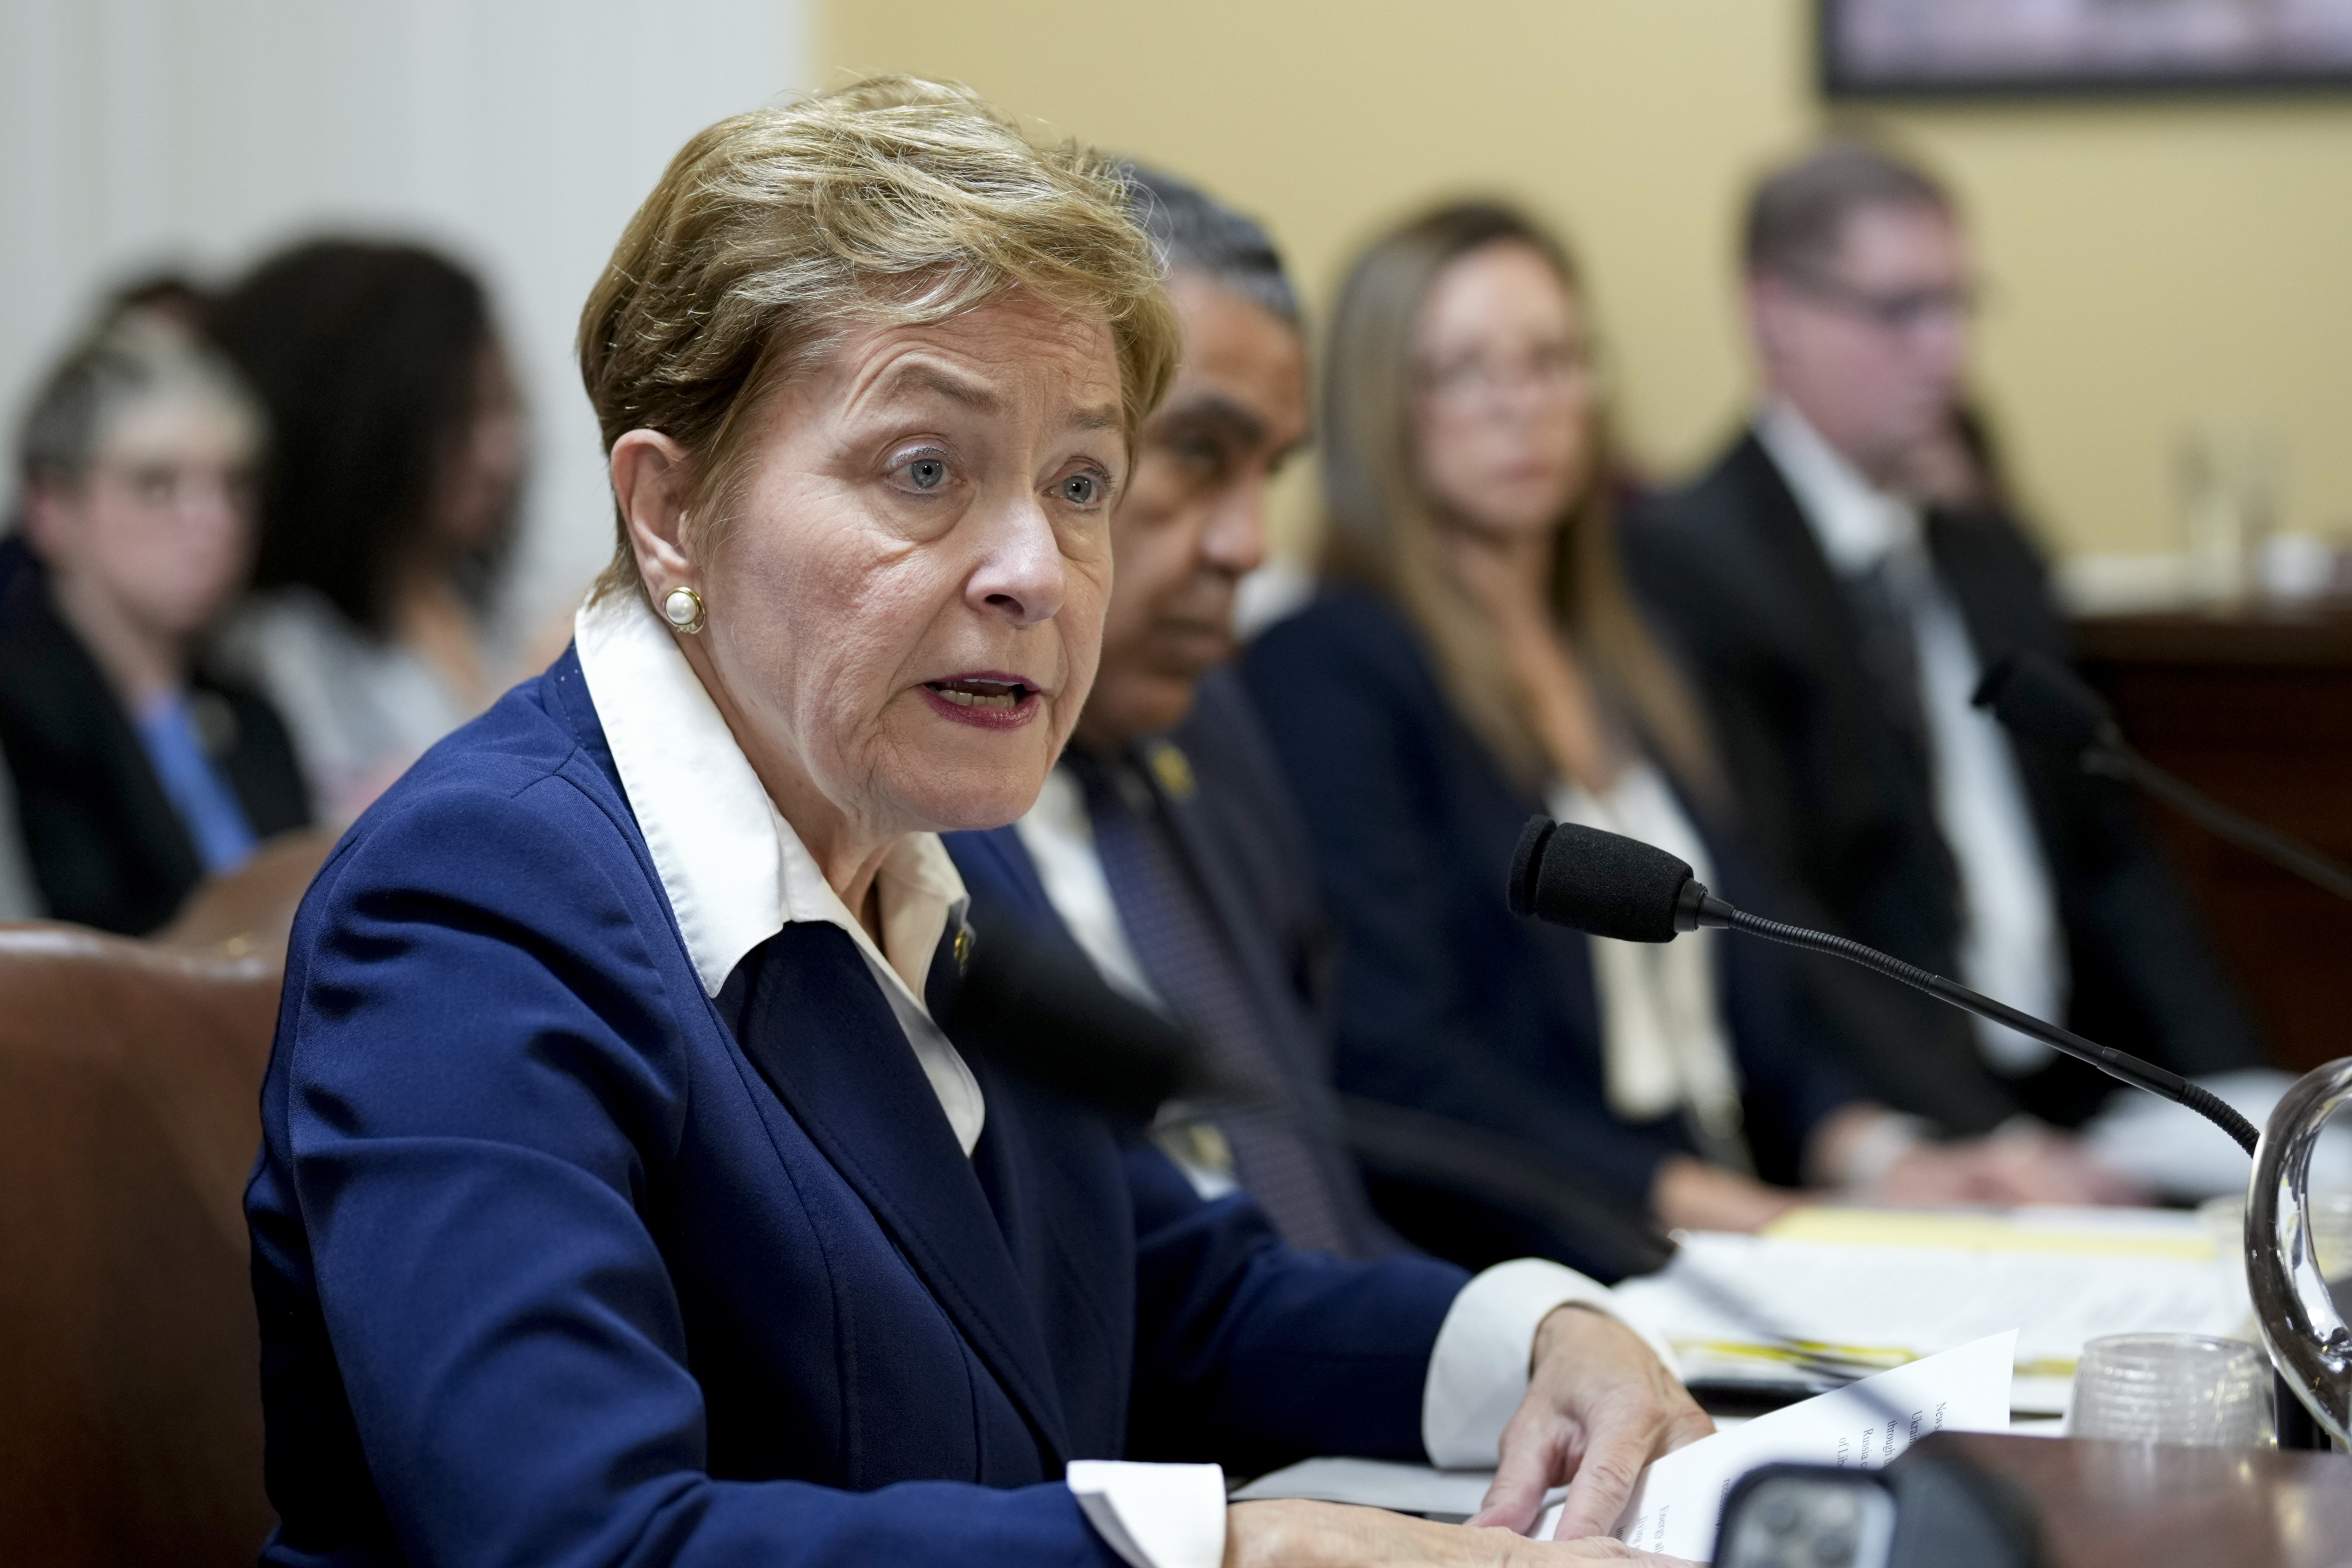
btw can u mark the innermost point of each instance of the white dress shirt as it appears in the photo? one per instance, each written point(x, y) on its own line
point(2011, 947)
point(1059, 835)
point(736, 873)
point(1663, 1044)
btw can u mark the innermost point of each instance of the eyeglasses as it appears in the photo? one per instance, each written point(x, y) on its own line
point(1900, 311)
point(1550, 372)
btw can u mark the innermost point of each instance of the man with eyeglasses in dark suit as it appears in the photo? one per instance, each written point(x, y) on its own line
point(1839, 580)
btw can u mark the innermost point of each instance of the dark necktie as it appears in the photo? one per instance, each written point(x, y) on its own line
point(1193, 966)
point(1887, 600)
point(1883, 601)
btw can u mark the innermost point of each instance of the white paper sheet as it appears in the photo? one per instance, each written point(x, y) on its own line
point(1678, 1503)
point(1756, 1307)
point(1379, 1483)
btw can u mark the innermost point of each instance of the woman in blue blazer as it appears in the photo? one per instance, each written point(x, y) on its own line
point(1476, 658)
point(621, 1200)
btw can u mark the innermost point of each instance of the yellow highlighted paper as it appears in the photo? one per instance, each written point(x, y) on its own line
point(1986, 1231)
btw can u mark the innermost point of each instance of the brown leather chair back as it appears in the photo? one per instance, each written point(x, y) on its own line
point(130, 1086)
point(252, 909)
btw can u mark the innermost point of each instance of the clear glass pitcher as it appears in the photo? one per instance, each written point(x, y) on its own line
point(2300, 1320)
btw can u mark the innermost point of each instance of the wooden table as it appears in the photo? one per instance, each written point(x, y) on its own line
point(2256, 711)
point(2125, 1505)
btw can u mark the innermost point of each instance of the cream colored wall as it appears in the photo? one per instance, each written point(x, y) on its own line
point(2154, 266)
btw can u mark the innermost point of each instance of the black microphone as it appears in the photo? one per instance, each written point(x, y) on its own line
point(2039, 699)
point(1607, 885)
point(1047, 1015)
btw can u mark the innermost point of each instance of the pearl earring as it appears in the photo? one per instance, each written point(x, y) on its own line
point(682, 607)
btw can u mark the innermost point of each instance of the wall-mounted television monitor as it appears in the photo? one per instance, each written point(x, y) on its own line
point(1871, 48)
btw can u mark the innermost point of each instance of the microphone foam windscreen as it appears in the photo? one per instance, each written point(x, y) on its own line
point(1035, 1009)
point(2035, 696)
point(1600, 883)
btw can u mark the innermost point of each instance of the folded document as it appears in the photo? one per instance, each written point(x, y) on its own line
point(1677, 1504)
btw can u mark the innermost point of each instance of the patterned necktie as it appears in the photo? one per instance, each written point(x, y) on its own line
point(1193, 966)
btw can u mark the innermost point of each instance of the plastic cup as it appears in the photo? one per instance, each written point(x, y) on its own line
point(2331, 1230)
point(2188, 1389)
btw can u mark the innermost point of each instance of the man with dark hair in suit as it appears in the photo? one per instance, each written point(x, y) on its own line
point(1164, 845)
point(1839, 627)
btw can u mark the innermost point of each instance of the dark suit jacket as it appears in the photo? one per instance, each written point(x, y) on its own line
point(106, 845)
point(1448, 1002)
point(559, 1261)
point(1732, 567)
point(1242, 838)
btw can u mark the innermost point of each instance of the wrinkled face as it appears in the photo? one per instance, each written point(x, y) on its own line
point(1871, 351)
point(161, 522)
point(906, 612)
point(1505, 394)
point(1193, 522)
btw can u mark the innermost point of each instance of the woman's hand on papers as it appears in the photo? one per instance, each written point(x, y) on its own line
point(1295, 1534)
point(1598, 1406)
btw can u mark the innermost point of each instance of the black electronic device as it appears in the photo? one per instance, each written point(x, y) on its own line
point(1808, 1516)
point(1931, 1509)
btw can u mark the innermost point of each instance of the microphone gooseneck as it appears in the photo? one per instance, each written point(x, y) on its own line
point(2039, 699)
point(1607, 885)
point(2116, 1064)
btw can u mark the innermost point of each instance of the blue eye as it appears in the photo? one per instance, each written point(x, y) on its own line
point(927, 473)
point(1080, 489)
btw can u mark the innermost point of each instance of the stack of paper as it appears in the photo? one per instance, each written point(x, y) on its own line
point(1832, 1294)
point(1451, 1495)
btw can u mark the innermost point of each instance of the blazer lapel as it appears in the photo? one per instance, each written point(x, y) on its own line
point(822, 1036)
point(1995, 586)
point(111, 747)
point(996, 865)
point(1789, 549)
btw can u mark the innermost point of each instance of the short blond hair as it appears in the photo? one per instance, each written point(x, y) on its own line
point(893, 201)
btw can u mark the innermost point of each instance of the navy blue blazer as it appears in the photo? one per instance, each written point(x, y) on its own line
point(559, 1261)
point(1233, 819)
point(1448, 1002)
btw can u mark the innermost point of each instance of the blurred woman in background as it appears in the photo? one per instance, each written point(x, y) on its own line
point(387, 507)
point(1476, 658)
point(137, 773)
